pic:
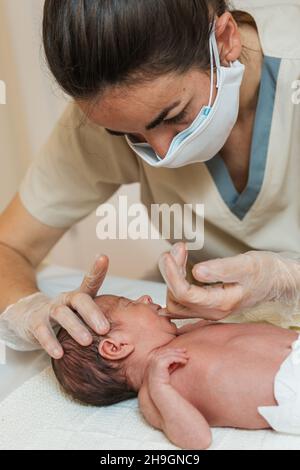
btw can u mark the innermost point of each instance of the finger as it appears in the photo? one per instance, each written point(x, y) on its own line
point(176, 360)
point(167, 363)
point(47, 339)
point(234, 269)
point(222, 302)
point(170, 272)
point(181, 290)
point(180, 255)
point(91, 313)
point(64, 316)
point(173, 355)
point(200, 299)
point(95, 278)
point(178, 311)
point(163, 312)
point(184, 314)
point(176, 350)
point(170, 354)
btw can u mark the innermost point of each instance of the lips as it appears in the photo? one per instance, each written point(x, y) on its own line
point(155, 307)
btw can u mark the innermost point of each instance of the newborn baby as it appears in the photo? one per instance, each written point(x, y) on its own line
point(190, 379)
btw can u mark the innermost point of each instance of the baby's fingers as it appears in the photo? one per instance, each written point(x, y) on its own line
point(173, 356)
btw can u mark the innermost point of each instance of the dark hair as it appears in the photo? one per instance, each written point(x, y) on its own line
point(91, 45)
point(87, 376)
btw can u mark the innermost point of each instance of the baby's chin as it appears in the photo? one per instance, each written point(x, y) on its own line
point(169, 326)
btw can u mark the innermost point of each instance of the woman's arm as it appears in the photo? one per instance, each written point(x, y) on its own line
point(24, 243)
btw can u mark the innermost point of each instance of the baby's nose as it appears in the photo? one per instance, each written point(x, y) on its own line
point(145, 299)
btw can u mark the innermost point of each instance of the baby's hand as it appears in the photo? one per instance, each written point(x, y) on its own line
point(160, 367)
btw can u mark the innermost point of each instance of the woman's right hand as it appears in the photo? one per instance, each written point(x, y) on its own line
point(28, 324)
point(230, 285)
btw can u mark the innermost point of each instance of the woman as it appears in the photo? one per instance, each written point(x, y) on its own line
point(144, 71)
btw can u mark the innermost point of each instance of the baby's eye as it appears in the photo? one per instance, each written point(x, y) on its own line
point(126, 302)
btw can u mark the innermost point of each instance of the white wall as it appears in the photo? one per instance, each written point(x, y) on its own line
point(34, 103)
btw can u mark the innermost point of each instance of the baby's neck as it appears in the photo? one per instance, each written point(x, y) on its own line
point(139, 361)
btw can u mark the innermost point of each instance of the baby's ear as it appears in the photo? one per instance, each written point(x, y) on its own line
point(115, 350)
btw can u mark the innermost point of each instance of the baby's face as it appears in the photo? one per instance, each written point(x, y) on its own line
point(139, 317)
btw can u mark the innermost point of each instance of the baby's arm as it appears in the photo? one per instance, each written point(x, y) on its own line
point(165, 409)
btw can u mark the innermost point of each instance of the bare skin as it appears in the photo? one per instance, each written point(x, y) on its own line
point(200, 376)
point(239, 363)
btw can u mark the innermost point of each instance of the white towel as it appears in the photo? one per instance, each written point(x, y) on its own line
point(39, 415)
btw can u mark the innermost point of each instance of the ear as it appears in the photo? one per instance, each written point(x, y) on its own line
point(115, 350)
point(228, 38)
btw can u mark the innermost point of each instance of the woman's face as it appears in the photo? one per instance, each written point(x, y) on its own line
point(154, 112)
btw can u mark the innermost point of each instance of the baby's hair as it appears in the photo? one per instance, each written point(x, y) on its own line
point(86, 376)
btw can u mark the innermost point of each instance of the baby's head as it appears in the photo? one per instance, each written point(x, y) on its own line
point(111, 369)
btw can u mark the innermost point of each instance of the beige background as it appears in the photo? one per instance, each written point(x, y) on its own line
point(34, 103)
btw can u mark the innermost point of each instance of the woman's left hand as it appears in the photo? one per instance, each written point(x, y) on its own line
point(235, 283)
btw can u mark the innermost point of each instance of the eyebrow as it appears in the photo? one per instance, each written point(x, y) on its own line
point(158, 120)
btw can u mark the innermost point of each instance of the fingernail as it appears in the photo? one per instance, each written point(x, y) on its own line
point(103, 326)
point(203, 271)
point(86, 338)
point(174, 250)
point(57, 353)
point(97, 257)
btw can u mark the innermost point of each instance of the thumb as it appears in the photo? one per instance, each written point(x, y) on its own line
point(95, 278)
point(226, 270)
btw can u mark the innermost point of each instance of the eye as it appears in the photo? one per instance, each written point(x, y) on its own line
point(177, 119)
point(126, 302)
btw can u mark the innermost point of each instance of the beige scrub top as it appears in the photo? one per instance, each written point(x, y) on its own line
point(81, 165)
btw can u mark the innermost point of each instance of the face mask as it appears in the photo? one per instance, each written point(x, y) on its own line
point(209, 132)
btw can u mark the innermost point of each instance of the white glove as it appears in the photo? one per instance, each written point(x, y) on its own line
point(244, 281)
point(28, 324)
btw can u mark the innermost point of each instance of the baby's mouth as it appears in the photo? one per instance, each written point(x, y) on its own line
point(163, 312)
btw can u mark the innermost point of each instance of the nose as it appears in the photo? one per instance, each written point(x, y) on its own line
point(161, 141)
point(145, 299)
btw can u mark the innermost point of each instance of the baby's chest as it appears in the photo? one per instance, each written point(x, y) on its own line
point(211, 374)
point(194, 380)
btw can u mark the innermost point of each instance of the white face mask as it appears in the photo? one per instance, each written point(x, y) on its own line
point(209, 132)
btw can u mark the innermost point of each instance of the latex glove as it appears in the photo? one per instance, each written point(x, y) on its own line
point(246, 280)
point(28, 324)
